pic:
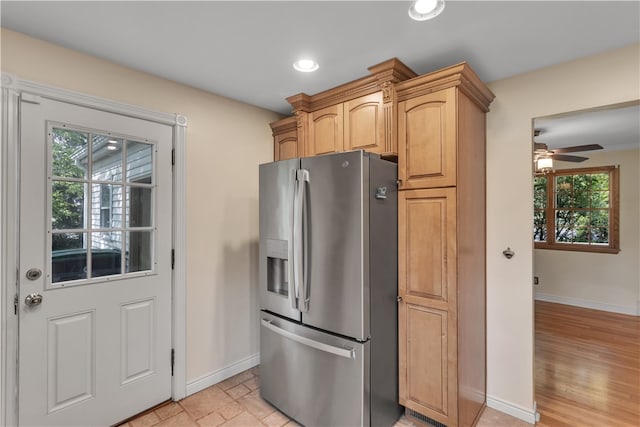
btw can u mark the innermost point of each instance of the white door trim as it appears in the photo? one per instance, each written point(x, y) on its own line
point(12, 89)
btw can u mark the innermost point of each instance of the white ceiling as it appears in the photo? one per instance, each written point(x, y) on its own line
point(245, 50)
point(615, 128)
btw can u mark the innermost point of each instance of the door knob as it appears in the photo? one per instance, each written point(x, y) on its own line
point(33, 299)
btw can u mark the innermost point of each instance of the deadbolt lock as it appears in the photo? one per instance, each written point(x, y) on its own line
point(33, 273)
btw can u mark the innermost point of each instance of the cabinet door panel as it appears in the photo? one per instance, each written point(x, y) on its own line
point(427, 138)
point(286, 146)
point(325, 131)
point(364, 124)
point(427, 244)
point(426, 360)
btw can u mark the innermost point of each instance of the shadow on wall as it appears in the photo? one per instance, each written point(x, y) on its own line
point(237, 299)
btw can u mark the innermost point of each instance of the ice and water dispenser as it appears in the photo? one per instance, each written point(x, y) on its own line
point(278, 267)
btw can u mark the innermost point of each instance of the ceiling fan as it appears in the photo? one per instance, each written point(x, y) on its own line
point(541, 150)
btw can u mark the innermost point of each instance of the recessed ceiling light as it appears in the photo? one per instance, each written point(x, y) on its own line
point(421, 10)
point(111, 147)
point(306, 65)
point(112, 141)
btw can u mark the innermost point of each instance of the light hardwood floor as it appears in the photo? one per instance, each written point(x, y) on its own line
point(587, 367)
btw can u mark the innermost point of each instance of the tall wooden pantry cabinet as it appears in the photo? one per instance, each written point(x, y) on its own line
point(434, 125)
point(441, 245)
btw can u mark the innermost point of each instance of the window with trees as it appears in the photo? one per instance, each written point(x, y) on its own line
point(577, 210)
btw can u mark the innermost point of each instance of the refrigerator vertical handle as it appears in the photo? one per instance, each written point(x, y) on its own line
point(302, 176)
point(293, 286)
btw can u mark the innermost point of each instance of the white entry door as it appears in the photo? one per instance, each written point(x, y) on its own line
point(95, 265)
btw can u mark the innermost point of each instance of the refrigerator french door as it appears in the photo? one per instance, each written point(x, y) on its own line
point(328, 287)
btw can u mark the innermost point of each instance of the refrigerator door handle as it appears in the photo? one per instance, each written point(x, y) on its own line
point(349, 353)
point(293, 286)
point(302, 176)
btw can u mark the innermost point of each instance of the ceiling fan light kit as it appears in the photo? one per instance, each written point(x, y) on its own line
point(544, 164)
point(422, 10)
point(541, 152)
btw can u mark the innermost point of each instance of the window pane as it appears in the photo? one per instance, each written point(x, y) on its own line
point(581, 183)
point(106, 206)
point(67, 205)
point(600, 199)
point(106, 253)
point(540, 183)
point(69, 153)
point(599, 218)
point(139, 162)
point(600, 181)
point(539, 226)
point(138, 251)
point(600, 235)
point(564, 199)
point(565, 235)
point(139, 207)
point(564, 182)
point(564, 225)
point(580, 199)
point(68, 257)
point(107, 158)
point(581, 218)
point(539, 199)
point(582, 235)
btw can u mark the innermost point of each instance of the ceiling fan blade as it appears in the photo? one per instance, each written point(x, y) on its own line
point(578, 148)
point(566, 158)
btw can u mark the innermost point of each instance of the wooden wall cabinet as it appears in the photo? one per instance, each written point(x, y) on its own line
point(426, 137)
point(352, 125)
point(357, 115)
point(324, 131)
point(285, 139)
point(441, 245)
point(364, 124)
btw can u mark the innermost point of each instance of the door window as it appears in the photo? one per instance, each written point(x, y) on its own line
point(101, 203)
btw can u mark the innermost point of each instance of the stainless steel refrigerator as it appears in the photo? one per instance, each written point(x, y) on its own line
point(328, 289)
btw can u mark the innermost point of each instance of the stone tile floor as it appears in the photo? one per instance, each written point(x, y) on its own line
point(236, 402)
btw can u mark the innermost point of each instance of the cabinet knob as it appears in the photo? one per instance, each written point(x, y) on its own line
point(399, 298)
point(399, 182)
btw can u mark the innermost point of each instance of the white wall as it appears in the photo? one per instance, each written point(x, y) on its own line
point(226, 140)
point(604, 79)
point(604, 281)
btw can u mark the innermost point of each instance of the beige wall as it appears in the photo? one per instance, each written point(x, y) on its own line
point(604, 79)
point(607, 281)
point(226, 140)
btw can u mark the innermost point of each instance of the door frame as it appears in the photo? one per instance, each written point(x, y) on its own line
point(13, 90)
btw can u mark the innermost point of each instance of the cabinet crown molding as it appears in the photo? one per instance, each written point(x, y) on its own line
point(460, 75)
point(283, 125)
point(391, 70)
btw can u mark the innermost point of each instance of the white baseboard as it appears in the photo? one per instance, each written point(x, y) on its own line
point(528, 415)
point(613, 308)
point(222, 374)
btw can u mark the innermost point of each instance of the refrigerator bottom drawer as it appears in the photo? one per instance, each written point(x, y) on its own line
point(313, 377)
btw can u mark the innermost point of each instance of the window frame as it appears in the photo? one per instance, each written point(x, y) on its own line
point(614, 211)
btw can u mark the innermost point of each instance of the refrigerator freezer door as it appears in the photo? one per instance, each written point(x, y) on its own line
point(313, 377)
point(336, 244)
point(277, 187)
